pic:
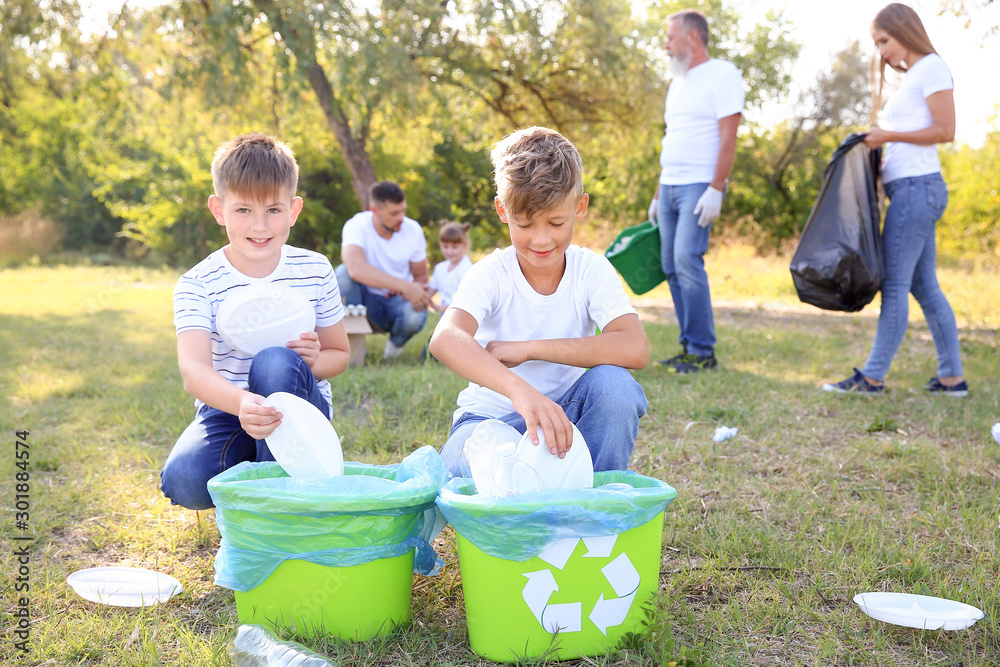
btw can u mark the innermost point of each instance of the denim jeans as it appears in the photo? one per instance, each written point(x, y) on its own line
point(605, 404)
point(392, 314)
point(215, 441)
point(683, 245)
point(915, 206)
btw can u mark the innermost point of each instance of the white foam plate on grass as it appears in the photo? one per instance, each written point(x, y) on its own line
point(918, 611)
point(259, 316)
point(124, 586)
point(576, 471)
point(305, 443)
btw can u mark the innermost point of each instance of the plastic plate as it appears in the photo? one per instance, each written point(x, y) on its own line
point(918, 611)
point(259, 316)
point(576, 471)
point(124, 586)
point(305, 443)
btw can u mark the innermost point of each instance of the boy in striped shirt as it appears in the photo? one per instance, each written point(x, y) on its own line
point(255, 178)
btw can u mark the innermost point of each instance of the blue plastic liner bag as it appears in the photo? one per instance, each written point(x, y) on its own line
point(370, 512)
point(520, 528)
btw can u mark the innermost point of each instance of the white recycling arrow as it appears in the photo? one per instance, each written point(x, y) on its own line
point(624, 578)
point(540, 587)
point(610, 612)
point(599, 547)
point(568, 617)
point(557, 553)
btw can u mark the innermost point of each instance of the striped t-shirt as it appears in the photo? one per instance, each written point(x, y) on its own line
point(201, 291)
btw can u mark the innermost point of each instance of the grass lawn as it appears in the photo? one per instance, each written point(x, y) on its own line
point(773, 532)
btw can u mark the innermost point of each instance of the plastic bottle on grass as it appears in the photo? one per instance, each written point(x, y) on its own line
point(256, 646)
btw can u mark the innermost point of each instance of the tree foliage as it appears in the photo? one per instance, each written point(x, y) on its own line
point(110, 135)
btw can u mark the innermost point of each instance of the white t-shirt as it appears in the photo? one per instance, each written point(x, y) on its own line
point(695, 103)
point(392, 255)
point(446, 282)
point(906, 111)
point(506, 307)
point(199, 293)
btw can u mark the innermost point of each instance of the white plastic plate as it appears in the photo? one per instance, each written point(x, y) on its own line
point(124, 586)
point(918, 611)
point(305, 442)
point(259, 316)
point(576, 471)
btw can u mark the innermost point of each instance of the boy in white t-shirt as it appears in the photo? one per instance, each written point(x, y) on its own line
point(255, 179)
point(522, 326)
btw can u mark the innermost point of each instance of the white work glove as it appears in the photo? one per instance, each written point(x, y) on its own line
point(709, 206)
point(654, 206)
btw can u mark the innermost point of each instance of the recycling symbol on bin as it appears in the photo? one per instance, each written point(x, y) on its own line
point(568, 617)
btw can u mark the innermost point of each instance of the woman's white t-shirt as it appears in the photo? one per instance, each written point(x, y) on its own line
point(506, 307)
point(907, 111)
point(446, 282)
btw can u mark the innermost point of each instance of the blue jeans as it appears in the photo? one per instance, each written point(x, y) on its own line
point(915, 206)
point(392, 314)
point(215, 441)
point(605, 404)
point(683, 245)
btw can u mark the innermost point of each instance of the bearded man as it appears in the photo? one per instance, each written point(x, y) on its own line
point(703, 109)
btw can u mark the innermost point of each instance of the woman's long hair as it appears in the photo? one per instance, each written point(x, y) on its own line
point(902, 24)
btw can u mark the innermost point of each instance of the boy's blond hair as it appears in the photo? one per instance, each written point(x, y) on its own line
point(255, 166)
point(536, 169)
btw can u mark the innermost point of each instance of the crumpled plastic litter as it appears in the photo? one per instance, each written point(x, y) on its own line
point(521, 527)
point(724, 433)
point(996, 432)
point(266, 517)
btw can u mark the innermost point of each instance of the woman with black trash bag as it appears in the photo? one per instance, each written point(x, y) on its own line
point(920, 115)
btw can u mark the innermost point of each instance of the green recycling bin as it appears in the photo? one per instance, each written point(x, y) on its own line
point(635, 254)
point(563, 573)
point(330, 556)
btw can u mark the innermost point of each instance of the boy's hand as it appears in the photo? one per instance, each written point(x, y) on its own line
point(510, 353)
point(257, 419)
point(541, 412)
point(307, 345)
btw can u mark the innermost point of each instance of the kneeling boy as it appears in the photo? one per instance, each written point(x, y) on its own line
point(522, 325)
point(255, 179)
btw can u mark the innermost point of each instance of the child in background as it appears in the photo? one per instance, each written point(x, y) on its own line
point(522, 326)
point(254, 178)
point(454, 241)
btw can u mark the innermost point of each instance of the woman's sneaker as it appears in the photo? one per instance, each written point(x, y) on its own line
point(855, 383)
point(960, 390)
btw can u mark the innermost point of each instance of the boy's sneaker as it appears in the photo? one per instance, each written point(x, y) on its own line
point(391, 351)
point(960, 390)
point(674, 359)
point(855, 383)
point(692, 363)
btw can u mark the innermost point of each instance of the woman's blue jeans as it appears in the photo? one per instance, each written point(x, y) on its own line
point(215, 441)
point(392, 314)
point(915, 206)
point(683, 245)
point(606, 404)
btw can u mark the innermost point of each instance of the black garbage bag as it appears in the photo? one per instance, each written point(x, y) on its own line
point(838, 262)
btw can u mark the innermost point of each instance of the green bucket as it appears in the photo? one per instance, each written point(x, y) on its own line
point(578, 598)
point(355, 603)
point(635, 254)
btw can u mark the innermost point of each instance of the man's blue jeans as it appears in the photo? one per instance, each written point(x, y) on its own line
point(683, 245)
point(392, 314)
point(215, 441)
point(915, 206)
point(605, 404)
